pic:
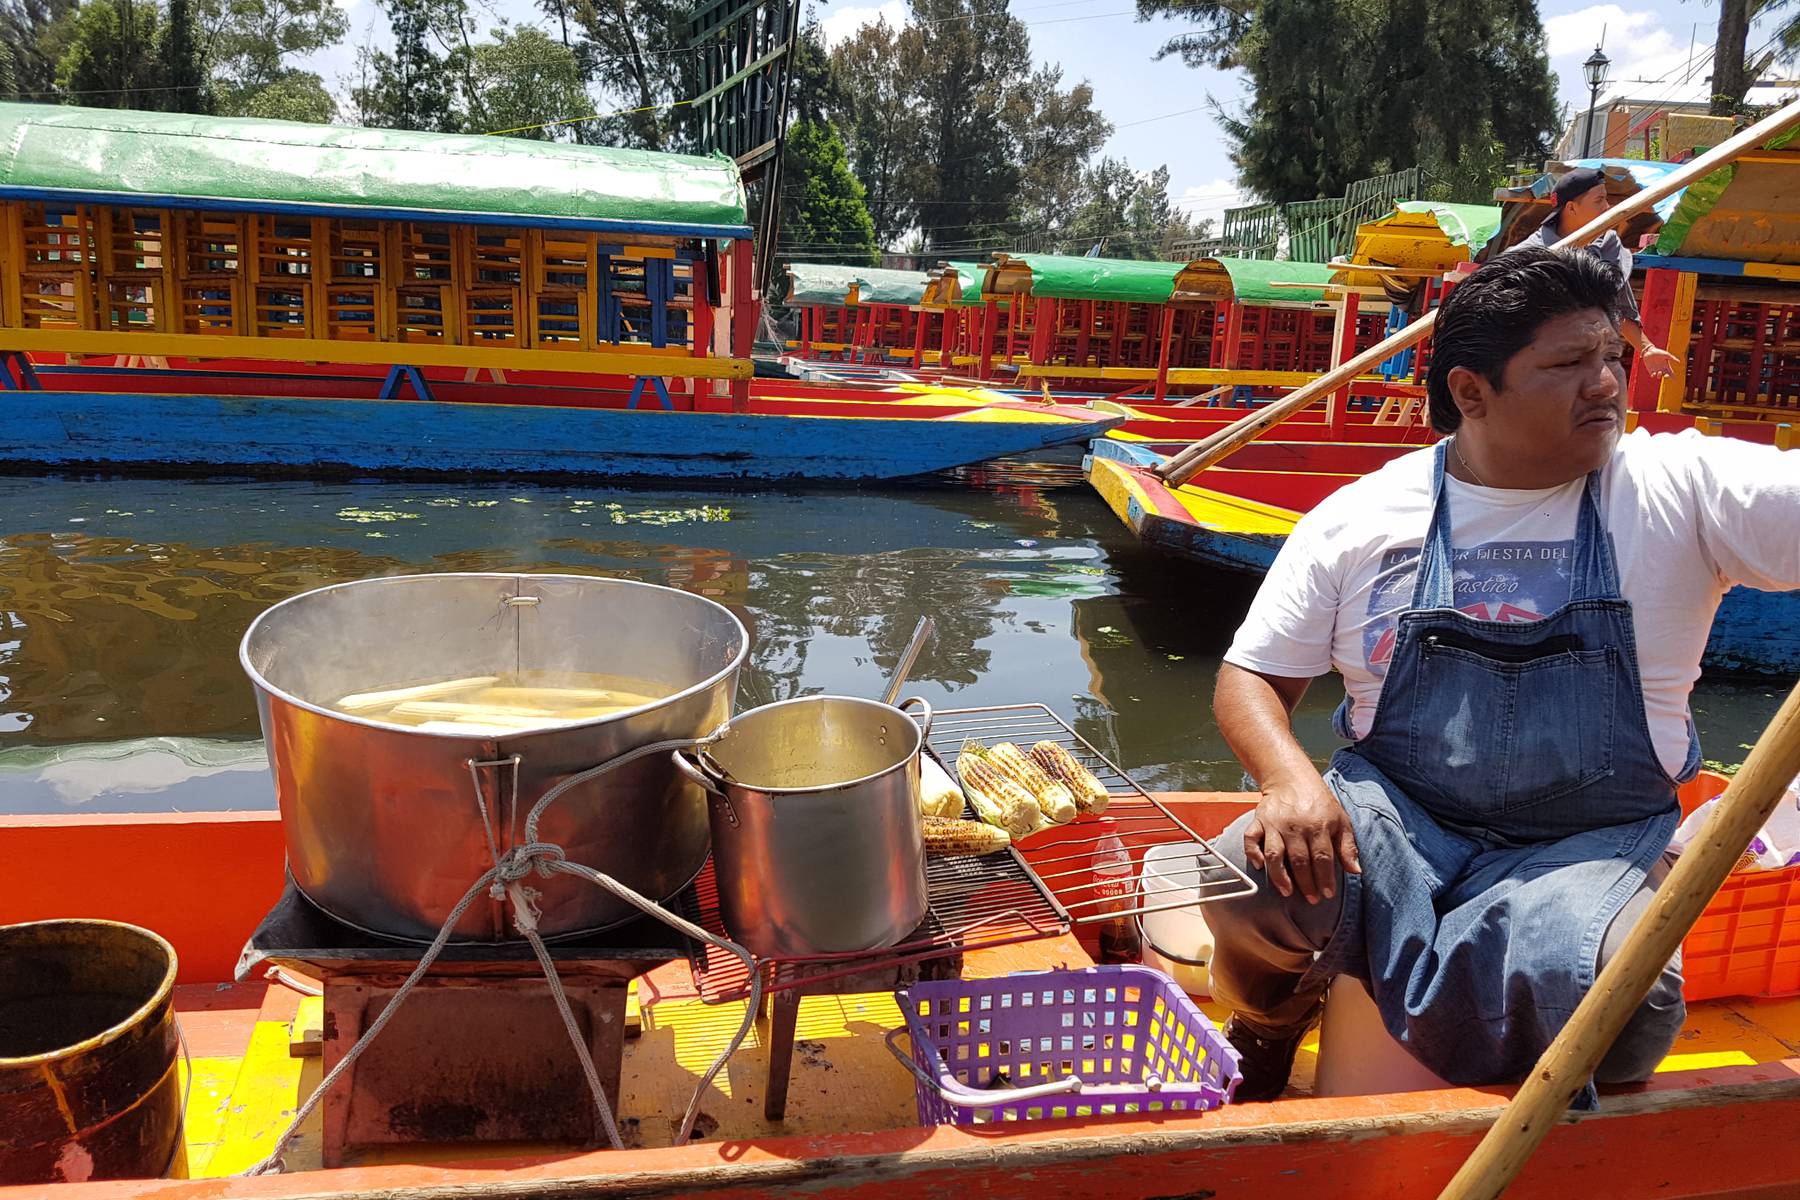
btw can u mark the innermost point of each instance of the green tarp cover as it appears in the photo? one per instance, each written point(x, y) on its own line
point(830, 283)
point(969, 279)
point(878, 286)
point(1253, 280)
point(1126, 279)
point(284, 165)
point(819, 283)
point(1464, 224)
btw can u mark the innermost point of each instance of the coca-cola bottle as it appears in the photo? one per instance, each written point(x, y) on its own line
point(1113, 879)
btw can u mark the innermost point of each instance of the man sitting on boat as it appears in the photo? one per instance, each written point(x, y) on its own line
point(1518, 614)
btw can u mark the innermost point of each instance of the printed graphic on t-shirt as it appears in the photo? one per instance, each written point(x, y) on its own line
point(1496, 581)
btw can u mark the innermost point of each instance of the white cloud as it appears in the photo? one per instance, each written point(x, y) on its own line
point(844, 22)
point(1640, 46)
point(1210, 200)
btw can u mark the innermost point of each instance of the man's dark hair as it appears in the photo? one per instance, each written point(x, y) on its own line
point(1495, 312)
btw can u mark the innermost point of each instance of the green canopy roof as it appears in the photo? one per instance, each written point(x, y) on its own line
point(1256, 280)
point(819, 283)
point(969, 278)
point(877, 286)
point(831, 283)
point(1472, 225)
point(1064, 278)
point(121, 156)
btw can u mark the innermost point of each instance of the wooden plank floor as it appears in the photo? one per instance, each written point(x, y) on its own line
point(247, 1083)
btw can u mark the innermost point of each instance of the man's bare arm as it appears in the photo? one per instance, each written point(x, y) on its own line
point(1300, 831)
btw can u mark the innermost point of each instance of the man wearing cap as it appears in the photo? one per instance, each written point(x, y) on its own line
point(1581, 196)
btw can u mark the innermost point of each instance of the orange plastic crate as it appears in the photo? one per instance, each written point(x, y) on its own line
point(1747, 942)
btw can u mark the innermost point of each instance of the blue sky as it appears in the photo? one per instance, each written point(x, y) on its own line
point(1160, 109)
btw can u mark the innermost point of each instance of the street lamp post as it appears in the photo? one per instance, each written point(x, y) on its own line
point(1594, 69)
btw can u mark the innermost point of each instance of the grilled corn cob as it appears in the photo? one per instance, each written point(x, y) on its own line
point(1090, 794)
point(953, 835)
point(1053, 797)
point(938, 794)
point(997, 799)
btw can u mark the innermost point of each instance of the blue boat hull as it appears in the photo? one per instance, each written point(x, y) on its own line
point(305, 436)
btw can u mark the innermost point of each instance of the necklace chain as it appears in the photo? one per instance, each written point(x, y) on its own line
point(1465, 462)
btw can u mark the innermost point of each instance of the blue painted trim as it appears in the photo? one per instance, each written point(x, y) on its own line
point(659, 281)
point(1694, 266)
point(17, 373)
point(449, 216)
point(399, 374)
point(294, 435)
point(662, 392)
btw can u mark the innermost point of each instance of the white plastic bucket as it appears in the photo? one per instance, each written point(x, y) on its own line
point(1176, 939)
point(1357, 1055)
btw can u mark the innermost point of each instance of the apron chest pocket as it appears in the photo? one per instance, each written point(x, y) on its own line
point(1502, 727)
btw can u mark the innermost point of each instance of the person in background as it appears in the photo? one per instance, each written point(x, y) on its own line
point(1518, 614)
point(1580, 197)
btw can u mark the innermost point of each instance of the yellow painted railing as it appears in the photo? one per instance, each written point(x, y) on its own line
point(92, 279)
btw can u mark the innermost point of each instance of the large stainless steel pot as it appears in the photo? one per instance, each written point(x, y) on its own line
point(384, 826)
point(817, 841)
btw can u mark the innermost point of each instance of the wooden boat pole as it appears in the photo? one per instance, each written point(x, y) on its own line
point(1565, 1067)
point(1208, 451)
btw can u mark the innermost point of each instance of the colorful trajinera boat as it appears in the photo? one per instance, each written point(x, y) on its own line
point(196, 293)
point(1717, 291)
point(844, 1119)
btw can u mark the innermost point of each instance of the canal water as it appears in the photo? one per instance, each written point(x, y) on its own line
point(122, 602)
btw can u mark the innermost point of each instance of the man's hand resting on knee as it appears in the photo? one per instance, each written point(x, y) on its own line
point(1300, 832)
point(1299, 836)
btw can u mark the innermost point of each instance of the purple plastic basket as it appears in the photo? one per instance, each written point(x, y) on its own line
point(1043, 1045)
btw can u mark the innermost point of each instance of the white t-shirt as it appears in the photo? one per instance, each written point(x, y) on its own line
point(1690, 516)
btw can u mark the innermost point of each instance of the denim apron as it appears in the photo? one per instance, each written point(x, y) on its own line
point(1507, 801)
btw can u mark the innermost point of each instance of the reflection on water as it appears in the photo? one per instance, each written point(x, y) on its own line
point(122, 603)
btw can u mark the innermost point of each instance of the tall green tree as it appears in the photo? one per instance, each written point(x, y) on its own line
point(33, 35)
point(526, 83)
point(1349, 88)
point(182, 66)
point(883, 130)
point(970, 54)
point(1735, 69)
point(414, 85)
point(813, 85)
point(111, 60)
point(1127, 213)
point(634, 53)
point(1219, 29)
point(823, 214)
point(294, 96)
point(251, 44)
point(1055, 132)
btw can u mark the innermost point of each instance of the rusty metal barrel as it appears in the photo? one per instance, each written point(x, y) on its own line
point(89, 1079)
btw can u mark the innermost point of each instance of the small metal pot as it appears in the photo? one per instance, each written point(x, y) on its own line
point(817, 842)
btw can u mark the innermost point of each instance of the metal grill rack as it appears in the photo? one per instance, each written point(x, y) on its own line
point(976, 901)
point(1062, 857)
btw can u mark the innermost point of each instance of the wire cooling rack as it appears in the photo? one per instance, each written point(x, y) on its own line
point(1063, 857)
point(1033, 890)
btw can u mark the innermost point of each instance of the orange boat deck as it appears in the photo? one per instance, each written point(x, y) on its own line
point(1710, 1124)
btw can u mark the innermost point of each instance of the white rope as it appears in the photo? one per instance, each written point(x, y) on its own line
point(502, 881)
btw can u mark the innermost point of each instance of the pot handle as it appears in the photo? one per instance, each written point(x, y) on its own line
point(956, 1093)
point(924, 717)
point(702, 770)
